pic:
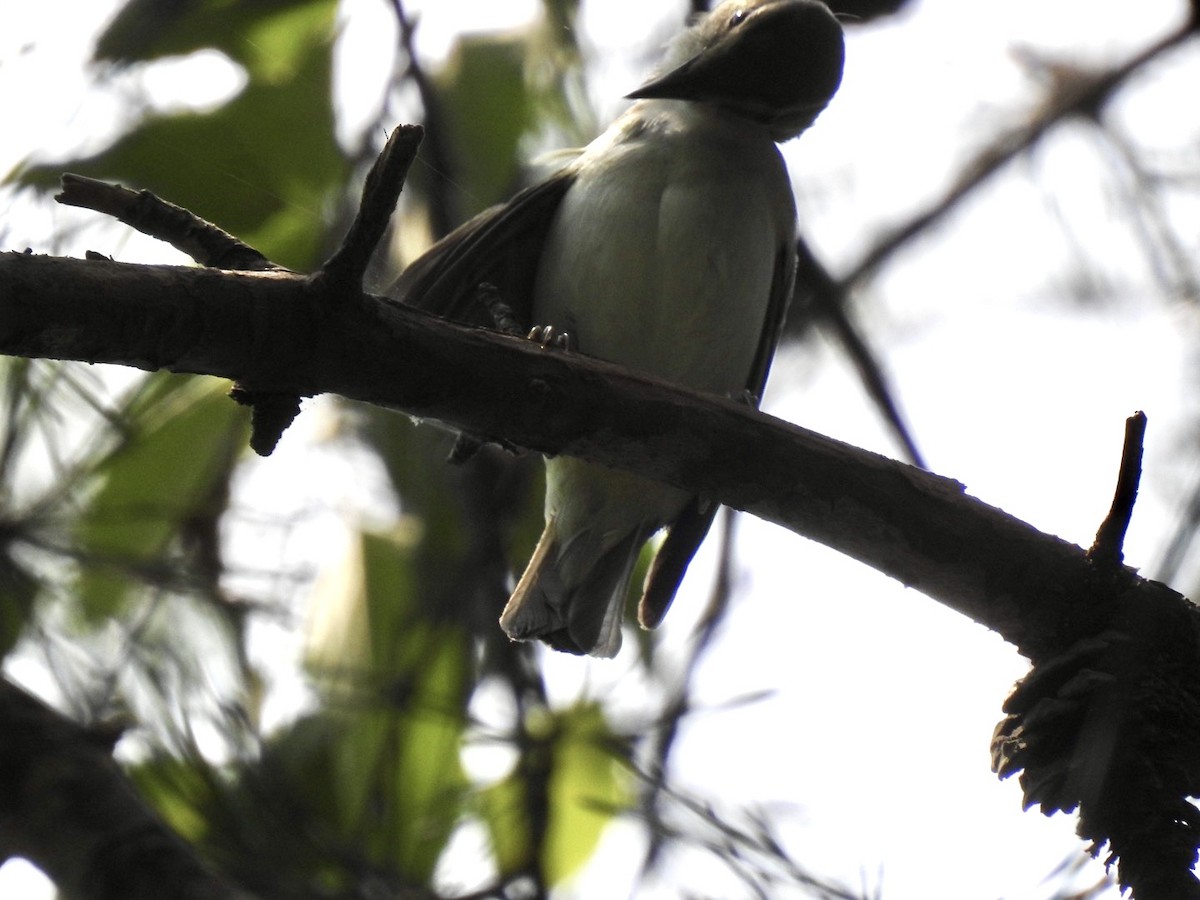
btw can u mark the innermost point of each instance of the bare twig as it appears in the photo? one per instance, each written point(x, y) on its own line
point(182, 229)
point(1106, 550)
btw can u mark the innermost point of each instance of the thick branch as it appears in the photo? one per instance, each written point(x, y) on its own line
point(66, 806)
point(279, 332)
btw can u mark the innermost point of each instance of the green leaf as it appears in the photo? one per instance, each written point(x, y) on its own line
point(488, 110)
point(502, 807)
point(170, 473)
point(397, 766)
point(587, 787)
point(180, 790)
point(267, 37)
point(18, 591)
point(264, 166)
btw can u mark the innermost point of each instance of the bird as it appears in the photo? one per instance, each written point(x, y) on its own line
point(666, 245)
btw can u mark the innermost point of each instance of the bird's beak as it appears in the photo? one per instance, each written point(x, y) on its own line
point(780, 64)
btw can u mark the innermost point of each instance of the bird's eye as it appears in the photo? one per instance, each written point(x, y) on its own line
point(738, 17)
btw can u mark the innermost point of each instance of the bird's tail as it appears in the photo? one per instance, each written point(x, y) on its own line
point(575, 608)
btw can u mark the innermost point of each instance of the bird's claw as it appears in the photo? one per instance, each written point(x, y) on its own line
point(551, 338)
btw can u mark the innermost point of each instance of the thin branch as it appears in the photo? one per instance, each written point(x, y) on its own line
point(208, 245)
point(751, 851)
point(203, 241)
point(679, 700)
point(274, 411)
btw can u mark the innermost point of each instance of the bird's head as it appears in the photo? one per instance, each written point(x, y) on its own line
point(775, 62)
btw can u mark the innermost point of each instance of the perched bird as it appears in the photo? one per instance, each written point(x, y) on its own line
point(665, 245)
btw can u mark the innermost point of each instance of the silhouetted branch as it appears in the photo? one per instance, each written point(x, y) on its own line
point(96, 838)
point(751, 850)
point(203, 241)
point(281, 332)
point(381, 191)
point(678, 702)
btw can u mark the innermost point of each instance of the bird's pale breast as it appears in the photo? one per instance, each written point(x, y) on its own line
point(662, 254)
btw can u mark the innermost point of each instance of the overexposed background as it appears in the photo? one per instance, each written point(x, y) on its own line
point(871, 750)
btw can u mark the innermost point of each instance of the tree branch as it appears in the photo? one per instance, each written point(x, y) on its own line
point(66, 806)
point(285, 333)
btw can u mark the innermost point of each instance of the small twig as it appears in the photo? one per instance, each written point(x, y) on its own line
point(185, 231)
point(1107, 548)
point(342, 273)
point(381, 191)
point(273, 411)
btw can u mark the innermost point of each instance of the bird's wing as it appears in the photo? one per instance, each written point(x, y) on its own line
point(500, 246)
point(782, 285)
point(687, 532)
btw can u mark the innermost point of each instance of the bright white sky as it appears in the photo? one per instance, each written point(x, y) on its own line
point(873, 749)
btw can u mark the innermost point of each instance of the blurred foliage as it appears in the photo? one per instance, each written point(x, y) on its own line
point(264, 166)
point(586, 779)
point(364, 784)
point(159, 492)
point(117, 502)
point(488, 105)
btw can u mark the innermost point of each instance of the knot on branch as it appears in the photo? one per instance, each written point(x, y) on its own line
point(1111, 727)
point(271, 414)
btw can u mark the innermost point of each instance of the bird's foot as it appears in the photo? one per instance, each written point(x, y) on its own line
point(551, 338)
point(489, 297)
